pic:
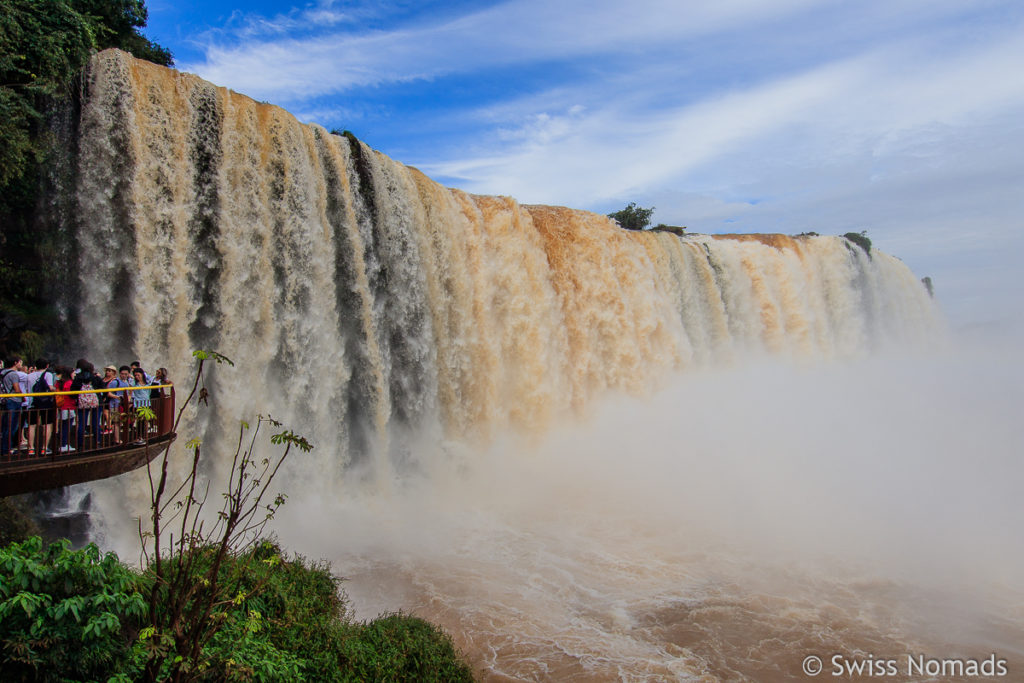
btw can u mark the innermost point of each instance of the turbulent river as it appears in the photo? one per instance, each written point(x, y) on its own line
point(589, 453)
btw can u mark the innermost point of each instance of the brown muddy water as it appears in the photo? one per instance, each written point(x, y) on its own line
point(725, 530)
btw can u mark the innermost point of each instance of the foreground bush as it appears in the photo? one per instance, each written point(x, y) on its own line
point(296, 626)
point(80, 615)
point(65, 614)
point(399, 647)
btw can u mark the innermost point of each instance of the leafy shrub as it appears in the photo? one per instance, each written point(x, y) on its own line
point(79, 615)
point(674, 229)
point(64, 614)
point(399, 647)
point(285, 620)
point(276, 619)
point(302, 610)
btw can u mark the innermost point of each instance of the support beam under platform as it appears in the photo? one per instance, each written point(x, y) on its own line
point(67, 469)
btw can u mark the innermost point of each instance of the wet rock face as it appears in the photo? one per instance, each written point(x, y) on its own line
point(53, 514)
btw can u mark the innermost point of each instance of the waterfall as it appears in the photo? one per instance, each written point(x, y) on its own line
point(364, 303)
point(475, 376)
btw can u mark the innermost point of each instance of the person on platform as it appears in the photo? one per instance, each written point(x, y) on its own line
point(26, 403)
point(88, 402)
point(10, 420)
point(115, 400)
point(66, 405)
point(136, 365)
point(44, 408)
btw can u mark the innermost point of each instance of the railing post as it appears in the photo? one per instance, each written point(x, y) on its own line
point(165, 419)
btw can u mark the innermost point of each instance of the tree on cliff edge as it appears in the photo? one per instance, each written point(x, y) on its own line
point(633, 217)
point(119, 23)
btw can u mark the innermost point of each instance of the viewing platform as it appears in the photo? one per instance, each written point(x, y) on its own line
point(123, 440)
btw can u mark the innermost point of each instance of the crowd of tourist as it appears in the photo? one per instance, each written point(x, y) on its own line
point(69, 422)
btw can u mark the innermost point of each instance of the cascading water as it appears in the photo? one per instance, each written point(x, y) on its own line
point(364, 300)
point(395, 322)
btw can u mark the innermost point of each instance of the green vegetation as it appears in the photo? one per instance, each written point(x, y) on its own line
point(861, 240)
point(81, 615)
point(43, 47)
point(633, 217)
point(674, 229)
point(64, 614)
point(117, 24)
point(398, 647)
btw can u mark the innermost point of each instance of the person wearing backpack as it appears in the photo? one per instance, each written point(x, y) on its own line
point(43, 408)
point(10, 420)
point(88, 402)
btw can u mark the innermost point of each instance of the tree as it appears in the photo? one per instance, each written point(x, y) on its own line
point(42, 46)
point(632, 217)
point(119, 23)
point(184, 576)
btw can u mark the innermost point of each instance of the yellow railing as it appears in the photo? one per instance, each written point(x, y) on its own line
point(87, 391)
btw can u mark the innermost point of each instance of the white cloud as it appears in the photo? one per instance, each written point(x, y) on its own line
point(509, 33)
point(297, 58)
point(828, 112)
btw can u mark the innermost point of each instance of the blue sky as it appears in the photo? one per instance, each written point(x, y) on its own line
point(904, 118)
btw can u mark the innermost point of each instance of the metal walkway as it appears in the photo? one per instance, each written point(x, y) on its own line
point(48, 450)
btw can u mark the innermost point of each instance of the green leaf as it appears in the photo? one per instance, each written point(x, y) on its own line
point(292, 438)
point(199, 354)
